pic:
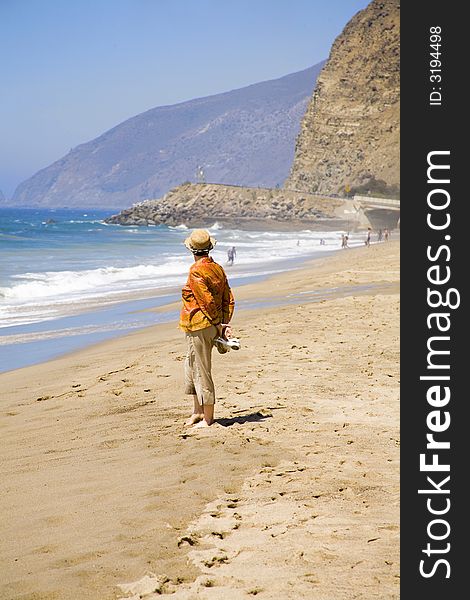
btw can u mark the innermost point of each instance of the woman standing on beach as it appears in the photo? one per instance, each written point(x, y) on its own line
point(207, 307)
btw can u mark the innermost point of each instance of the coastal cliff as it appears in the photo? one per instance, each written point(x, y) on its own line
point(349, 137)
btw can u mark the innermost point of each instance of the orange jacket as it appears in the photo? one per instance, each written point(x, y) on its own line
point(207, 297)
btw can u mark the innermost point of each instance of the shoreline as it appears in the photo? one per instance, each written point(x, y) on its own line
point(57, 324)
point(293, 490)
point(89, 324)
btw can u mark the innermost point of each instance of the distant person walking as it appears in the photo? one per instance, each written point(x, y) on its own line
point(231, 253)
point(207, 307)
point(386, 234)
point(369, 233)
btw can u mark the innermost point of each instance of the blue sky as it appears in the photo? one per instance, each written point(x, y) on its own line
point(73, 69)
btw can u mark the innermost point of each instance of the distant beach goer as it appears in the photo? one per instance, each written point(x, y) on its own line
point(207, 309)
point(346, 238)
point(322, 242)
point(379, 236)
point(369, 233)
point(386, 234)
point(231, 253)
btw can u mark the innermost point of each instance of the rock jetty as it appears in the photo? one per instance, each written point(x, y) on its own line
point(201, 205)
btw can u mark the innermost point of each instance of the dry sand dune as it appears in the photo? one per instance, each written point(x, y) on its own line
point(293, 493)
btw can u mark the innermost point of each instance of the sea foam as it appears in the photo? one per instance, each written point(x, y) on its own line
point(59, 284)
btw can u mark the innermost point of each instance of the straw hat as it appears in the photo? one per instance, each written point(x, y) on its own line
point(199, 240)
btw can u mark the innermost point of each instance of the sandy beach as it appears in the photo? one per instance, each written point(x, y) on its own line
point(292, 493)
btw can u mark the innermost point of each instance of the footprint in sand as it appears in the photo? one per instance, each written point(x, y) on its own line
point(190, 540)
point(217, 559)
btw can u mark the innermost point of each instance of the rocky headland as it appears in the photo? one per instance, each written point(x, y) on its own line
point(201, 205)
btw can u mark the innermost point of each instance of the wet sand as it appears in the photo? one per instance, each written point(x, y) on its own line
point(293, 493)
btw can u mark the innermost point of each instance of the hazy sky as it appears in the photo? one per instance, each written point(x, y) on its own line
point(71, 69)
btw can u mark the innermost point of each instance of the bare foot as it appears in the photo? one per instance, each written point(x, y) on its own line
point(195, 418)
point(202, 423)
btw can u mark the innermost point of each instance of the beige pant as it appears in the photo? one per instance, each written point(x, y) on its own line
point(198, 364)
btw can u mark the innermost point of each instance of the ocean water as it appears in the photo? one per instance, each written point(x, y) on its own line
point(67, 279)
